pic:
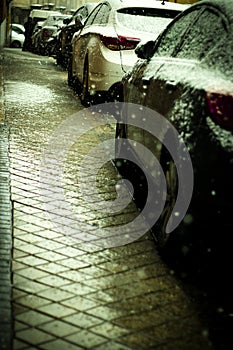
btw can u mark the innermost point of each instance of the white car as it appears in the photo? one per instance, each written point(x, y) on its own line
point(16, 35)
point(104, 49)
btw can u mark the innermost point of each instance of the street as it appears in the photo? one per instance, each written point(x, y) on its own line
point(80, 290)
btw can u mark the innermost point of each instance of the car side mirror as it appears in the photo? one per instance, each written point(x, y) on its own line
point(145, 50)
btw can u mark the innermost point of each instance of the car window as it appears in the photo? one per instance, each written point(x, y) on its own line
point(92, 16)
point(102, 15)
point(175, 34)
point(83, 12)
point(156, 19)
point(207, 31)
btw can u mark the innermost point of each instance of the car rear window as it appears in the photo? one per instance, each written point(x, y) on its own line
point(156, 19)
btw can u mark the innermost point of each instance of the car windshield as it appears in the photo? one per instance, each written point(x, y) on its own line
point(134, 18)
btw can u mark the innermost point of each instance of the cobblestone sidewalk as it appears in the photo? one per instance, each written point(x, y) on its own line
point(67, 293)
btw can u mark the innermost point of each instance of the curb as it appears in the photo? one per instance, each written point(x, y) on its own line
point(5, 233)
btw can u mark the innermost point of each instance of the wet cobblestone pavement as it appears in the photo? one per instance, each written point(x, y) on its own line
point(71, 293)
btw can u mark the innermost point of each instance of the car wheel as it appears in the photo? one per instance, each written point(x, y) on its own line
point(70, 77)
point(16, 44)
point(72, 81)
point(159, 230)
point(85, 96)
point(60, 59)
point(41, 51)
point(128, 169)
point(120, 134)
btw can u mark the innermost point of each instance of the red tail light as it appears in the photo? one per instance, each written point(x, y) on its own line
point(119, 42)
point(221, 109)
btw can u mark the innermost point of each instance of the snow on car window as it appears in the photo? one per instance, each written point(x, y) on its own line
point(156, 19)
point(220, 59)
point(206, 32)
point(174, 35)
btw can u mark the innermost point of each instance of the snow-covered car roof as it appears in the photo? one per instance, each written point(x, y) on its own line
point(148, 3)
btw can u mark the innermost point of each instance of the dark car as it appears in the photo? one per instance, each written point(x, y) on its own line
point(186, 76)
point(45, 31)
point(71, 26)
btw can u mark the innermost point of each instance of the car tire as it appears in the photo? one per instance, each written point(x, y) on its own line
point(70, 78)
point(128, 169)
point(85, 96)
point(159, 231)
point(16, 44)
point(60, 59)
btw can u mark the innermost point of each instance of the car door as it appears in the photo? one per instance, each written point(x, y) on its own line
point(159, 82)
point(79, 44)
point(85, 42)
point(176, 70)
point(146, 86)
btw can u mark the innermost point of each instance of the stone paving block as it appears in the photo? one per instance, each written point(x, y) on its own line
point(47, 244)
point(17, 293)
point(82, 320)
point(53, 268)
point(60, 344)
point(105, 312)
point(86, 339)
point(109, 330)
point(19, 345)
point(33, 318)
point(32, 301)
point(112, 345)
point(29, 237)
point(18, 309)
point(74, 263)
point(33, 249)
point(60, 328)
point(79, 289)
point(27, 259)
point(79, 303)
point(32, 273)
point(28, 285)
point(50, 256)
point(19, 326)
point(76, 275)
point(56, 310)
point(54, 281)
point(56, 294)
point(33, 336)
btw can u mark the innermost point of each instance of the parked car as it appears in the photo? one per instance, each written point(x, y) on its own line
point(16, 35)
point(186, 75)
point(104, 49)
point(71, 25)
point(45, 31)
point(35, 35)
